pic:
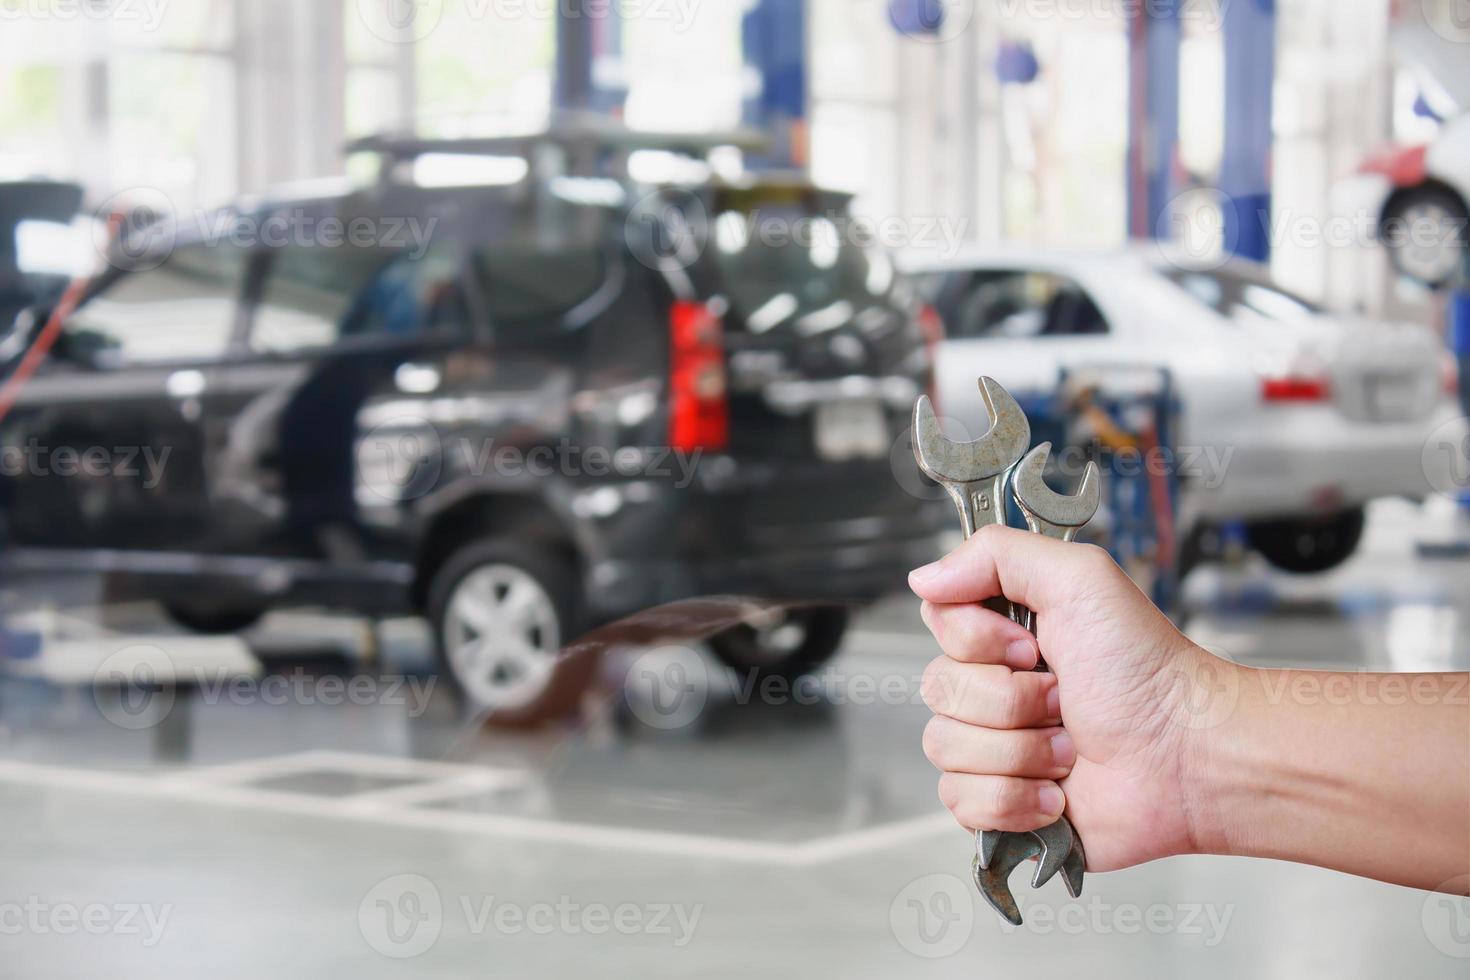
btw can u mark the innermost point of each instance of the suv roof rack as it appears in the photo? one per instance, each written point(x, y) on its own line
point(580, 145)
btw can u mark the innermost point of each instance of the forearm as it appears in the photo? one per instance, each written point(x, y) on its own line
point(1364, 773)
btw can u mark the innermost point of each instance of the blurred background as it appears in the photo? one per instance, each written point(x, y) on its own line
point(456, 488)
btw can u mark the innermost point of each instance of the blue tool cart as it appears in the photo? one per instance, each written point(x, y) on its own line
point(1126, 419)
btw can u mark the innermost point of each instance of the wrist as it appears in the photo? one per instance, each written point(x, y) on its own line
point(1215, 708)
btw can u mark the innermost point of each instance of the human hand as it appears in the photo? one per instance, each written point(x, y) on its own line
point(1122, 763)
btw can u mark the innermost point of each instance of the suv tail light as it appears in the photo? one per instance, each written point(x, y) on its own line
point(699, 410)
point(932, 326)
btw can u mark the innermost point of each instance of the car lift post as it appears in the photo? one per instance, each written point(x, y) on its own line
point(773, 34)
point(1153, 116)
point(1245, 166)
point(1458, 331)
point(589, 44)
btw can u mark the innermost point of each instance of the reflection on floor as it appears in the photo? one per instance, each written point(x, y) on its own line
point(322, 813)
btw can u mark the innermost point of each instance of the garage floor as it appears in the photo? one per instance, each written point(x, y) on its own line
point(287, 826)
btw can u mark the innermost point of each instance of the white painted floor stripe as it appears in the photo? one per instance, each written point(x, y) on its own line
point(377, 808)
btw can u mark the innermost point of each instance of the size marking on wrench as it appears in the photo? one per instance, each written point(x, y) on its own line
point(974, 473)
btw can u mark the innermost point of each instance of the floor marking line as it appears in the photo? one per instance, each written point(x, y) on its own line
point(668, 843)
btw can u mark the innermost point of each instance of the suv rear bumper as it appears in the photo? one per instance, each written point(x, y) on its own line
point(839, 534)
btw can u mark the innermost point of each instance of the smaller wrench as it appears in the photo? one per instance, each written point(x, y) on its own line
point(1061, 517)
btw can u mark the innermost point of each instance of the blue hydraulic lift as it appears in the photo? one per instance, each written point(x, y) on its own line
point(773, 34)
point(1153, 117)
point(1245, 169)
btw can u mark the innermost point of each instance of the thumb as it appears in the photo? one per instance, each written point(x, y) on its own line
point(1022, 566)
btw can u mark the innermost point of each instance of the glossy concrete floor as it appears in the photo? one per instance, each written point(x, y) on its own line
point(285, 826)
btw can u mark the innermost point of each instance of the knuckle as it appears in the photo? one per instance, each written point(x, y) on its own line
point(935, 741)
point(1016, 754)
point(933, 685)
point(949, 791)
point(974, 639)
point(1007, 798)
point(1097, 557)
point(989, 534)
point(1011, 702)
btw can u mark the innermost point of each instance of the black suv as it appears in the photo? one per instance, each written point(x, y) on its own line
point(38, 248)
point(521, 409)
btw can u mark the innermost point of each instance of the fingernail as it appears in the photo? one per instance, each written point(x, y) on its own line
point(1054, 701)
point(1021, 654)
point(924, 574)
point(1062, 750)
point(1051, 799)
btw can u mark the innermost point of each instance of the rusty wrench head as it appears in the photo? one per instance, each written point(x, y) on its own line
point(1007, 852)
point(1055, 842)
point(974, 473)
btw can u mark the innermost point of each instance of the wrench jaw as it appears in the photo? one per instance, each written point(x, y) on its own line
point(998, 854)
point(990, 456)
point(993, 880)
point(1047, 512)
point(1057, 841)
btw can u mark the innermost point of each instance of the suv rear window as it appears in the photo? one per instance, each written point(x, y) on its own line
point(522, 283)
point(794, 260)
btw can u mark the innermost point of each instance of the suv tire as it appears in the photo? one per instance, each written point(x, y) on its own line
point(213, 622)
point(772, 652)
point(524, 600)
point(1307, 545)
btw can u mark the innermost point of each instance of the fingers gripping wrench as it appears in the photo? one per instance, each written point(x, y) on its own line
point(974, 475)
point(1061, 517)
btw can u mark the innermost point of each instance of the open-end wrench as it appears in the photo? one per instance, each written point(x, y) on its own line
point(974, 475)
point(1061, 517)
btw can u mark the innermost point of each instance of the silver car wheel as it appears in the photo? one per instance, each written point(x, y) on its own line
point(501, 636)
point(1432, 257)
